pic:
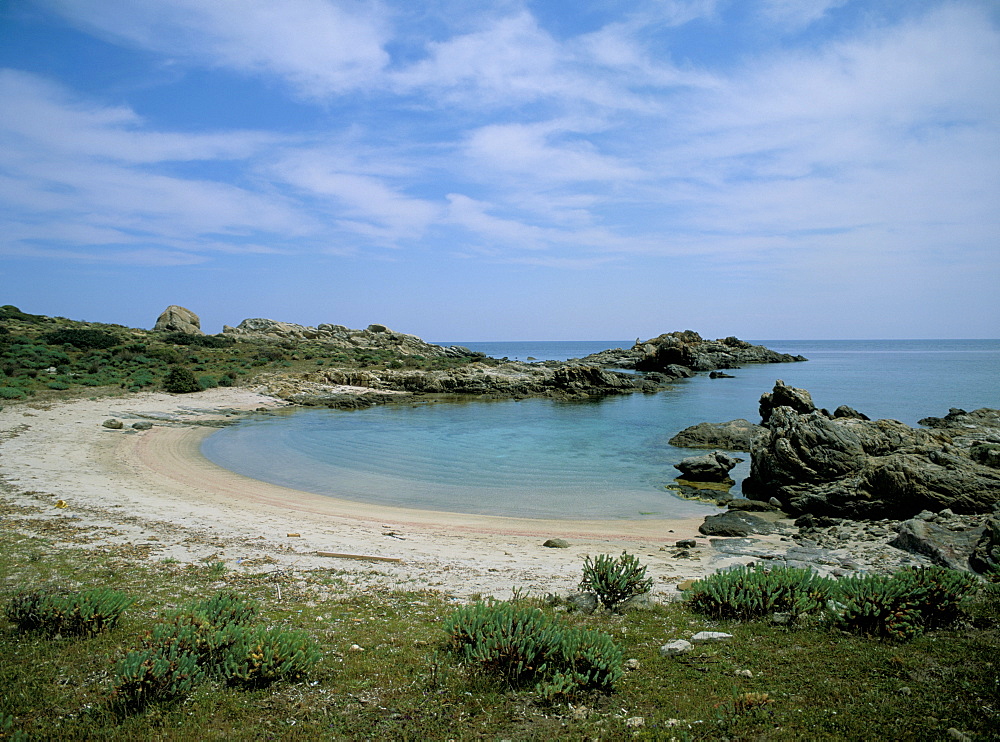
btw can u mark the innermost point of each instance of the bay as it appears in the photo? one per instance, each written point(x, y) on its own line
point(600, 459)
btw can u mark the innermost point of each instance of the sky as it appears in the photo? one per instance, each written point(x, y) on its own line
point(508, 170)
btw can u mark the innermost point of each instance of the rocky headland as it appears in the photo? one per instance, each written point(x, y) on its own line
point(646, 367)
point(859, 486)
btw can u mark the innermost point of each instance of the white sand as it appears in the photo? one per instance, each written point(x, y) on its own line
point(154, 488)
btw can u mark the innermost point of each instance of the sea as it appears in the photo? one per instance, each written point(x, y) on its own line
point(599, 459)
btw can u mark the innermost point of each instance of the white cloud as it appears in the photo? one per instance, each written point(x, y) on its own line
point(360, 201)
point(797, 14)
point(321, 47)
point(78, 173)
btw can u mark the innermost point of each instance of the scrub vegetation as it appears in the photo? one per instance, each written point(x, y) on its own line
point(55, 357)
point(366, 663)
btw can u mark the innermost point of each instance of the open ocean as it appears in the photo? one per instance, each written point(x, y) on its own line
point(600, 459)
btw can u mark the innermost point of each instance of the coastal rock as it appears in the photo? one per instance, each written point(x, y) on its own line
point(857, 468)
point(734, 435)
point(711, 467)
point(178, 319)
point(113, 424)
point(986, 554)
point(556, 543)
point(735, 523)
point(798, 400)
point(583, 602)
point(945, 546)
point(375, 336)
point(690, 350)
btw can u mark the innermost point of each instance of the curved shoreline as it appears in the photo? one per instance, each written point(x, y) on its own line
point(156, 486)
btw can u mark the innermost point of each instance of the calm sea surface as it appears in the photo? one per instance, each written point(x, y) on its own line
point(600, 459)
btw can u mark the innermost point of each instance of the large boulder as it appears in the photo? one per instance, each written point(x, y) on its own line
point(711, 467)
point(734, 435)
point(179, 319)
point(735, 523)
point(945, 544)
point(857, 468)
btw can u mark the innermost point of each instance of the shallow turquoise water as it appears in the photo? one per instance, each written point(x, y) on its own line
point(600, 459)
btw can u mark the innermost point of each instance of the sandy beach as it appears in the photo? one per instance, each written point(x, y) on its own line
point(153, 489)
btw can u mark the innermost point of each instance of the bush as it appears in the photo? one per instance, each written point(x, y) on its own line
point(259, 657)
point(227, 608)
point(83, 613)
point(11, 392)
point(160, 673)
point(751, 592)
point(82, 338)
point(525, 648)
point(181, 380)
point(615, 580)
point(904, 604)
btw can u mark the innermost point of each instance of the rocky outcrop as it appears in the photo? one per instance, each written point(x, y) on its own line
point(373, 337)
point(734, 435)
point(689, 349)
point(852, 467)
point(711, 467)
point(178, 319)
point(735, 523)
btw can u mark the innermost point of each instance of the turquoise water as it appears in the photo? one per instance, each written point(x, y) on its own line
point(601, 459)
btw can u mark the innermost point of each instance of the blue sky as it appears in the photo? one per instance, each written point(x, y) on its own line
point(506, 170)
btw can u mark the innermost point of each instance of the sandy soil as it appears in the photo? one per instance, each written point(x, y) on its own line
point(154, 489)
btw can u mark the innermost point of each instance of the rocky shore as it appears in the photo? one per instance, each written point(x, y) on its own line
point(648, 366)
point(864, 494)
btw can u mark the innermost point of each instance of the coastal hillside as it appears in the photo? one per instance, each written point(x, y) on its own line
point(330, 365)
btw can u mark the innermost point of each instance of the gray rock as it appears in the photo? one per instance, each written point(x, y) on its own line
point(142, 425)
point(556, 543)
point(179, 319)
point(643, 601)
point(986, 554)
point(734, 435)
point(735, 523)
point(113, 423)
point(753, 506)
point(675, 647)
point(583, 602)
point(944, 546)
point(711, 467)
point(710, 636)
point(689, 349)
point(686, 543)
point(859, 468)
point(785, 396)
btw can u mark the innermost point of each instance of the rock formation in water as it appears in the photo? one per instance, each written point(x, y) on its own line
point(734, 435)
point(815, 462)
point(689, 351)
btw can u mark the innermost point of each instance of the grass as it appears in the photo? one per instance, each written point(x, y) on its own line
point(386, 671)
point(36, 363)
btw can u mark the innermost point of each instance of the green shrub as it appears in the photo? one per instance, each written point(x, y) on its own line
point(524, 648)
point(751, 592)
point(904, 604)
point(227, 608)
point(615, 580)
point(12, 392)
point(207, 382)
point(82, 338)
point(181, 380)
point(160, 673)
point(58, 385)
point(82, 613)
point(259, 657)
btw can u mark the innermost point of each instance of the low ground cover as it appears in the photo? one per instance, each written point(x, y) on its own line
point(386, 667)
